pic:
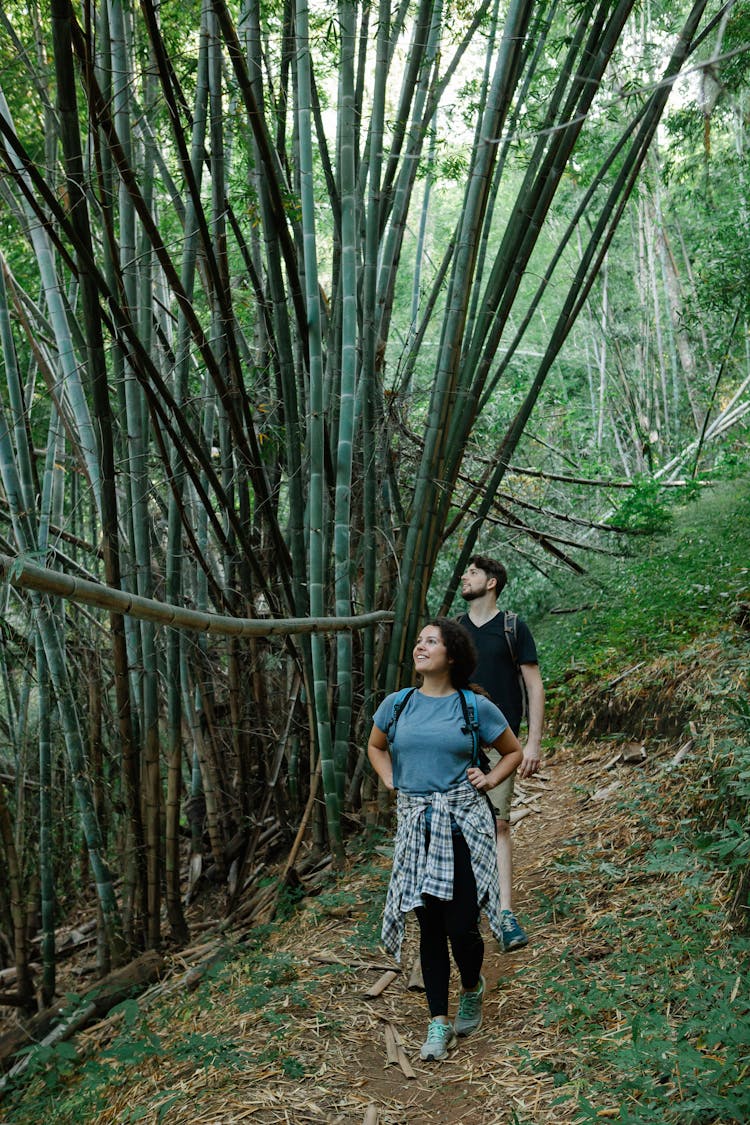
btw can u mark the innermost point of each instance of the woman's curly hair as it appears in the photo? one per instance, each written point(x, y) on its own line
point(460, 649)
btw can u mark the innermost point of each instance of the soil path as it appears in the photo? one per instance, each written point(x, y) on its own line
point(485, 1081)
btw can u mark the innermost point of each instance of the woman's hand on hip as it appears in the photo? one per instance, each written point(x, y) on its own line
point(478, 779)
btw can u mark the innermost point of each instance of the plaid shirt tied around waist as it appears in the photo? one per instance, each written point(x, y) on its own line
point(418, 871)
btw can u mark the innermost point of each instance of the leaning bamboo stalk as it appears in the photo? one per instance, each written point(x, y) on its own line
point(55, 658)
point(551, 155)
point(73, 390)
point(159, 398)
point(550, 158)
point(314, 783)
point(26, 575)
point(132, 259)
point(431, 496)
point(368, 380)
point(175, 577)
point(595, 253)
point(417, 78)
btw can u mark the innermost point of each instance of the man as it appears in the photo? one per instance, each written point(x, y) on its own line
point(496, 672)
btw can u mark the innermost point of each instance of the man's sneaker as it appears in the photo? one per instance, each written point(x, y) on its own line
point(514, 937)
point(469, 1016)
point(441, 1038)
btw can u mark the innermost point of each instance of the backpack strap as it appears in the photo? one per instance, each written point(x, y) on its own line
point(399, 703)
point(510, 625)
point(471, 721)
point(468, 706)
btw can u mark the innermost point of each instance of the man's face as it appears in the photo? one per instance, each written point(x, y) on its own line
point(474, 583)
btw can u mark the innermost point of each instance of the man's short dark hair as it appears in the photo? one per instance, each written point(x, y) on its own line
point(492, 568)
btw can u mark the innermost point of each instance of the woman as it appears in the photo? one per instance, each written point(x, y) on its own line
point(444, 865)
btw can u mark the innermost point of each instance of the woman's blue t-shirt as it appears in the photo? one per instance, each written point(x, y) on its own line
point(429, 749)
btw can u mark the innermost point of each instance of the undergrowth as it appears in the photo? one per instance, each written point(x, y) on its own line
point(669, 589)
point(252, 983)
point(652, 999)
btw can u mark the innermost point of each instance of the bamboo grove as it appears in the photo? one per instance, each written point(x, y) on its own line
point(217, 310)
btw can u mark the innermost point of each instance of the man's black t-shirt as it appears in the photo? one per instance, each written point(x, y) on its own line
point(495, 671)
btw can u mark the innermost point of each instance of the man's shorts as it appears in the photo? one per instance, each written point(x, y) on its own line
point(502, 795)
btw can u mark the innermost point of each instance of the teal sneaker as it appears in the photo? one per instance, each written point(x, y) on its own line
point(469, 1016)
point(441, 1038)
point(514, 936)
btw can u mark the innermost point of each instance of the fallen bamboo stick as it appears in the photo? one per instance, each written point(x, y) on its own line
point(381, 983)
point(391, 1046)
point(403, 1062)
point(416, 981)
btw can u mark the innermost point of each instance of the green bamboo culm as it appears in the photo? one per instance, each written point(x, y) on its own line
point(347, 396)
point(71, 387)
point(316, 433)
point(142, 648)
point(431, 487)
point(78, 177)
point(175, 571)
point(45, 712)
point(367, 390)
point(629, 152)
point(24, 504)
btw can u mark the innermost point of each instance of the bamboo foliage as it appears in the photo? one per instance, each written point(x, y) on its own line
point(217, 227)
point(591, 264)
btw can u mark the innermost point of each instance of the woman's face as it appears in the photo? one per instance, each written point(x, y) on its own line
point(430, 653)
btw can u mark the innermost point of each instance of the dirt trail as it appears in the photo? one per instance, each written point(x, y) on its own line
point(483, 1081)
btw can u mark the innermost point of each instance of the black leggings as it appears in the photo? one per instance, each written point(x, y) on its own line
point(457, 921)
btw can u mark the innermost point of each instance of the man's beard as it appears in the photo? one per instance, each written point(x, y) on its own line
point(470, 595)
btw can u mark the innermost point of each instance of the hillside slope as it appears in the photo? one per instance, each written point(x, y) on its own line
point(631, 1003)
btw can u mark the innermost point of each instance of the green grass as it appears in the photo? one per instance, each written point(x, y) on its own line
point(670, 589)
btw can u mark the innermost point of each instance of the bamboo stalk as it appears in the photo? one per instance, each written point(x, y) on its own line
point(27, 575)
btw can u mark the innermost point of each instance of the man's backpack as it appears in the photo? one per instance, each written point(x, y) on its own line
point(510, 625)
point(468, 706)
